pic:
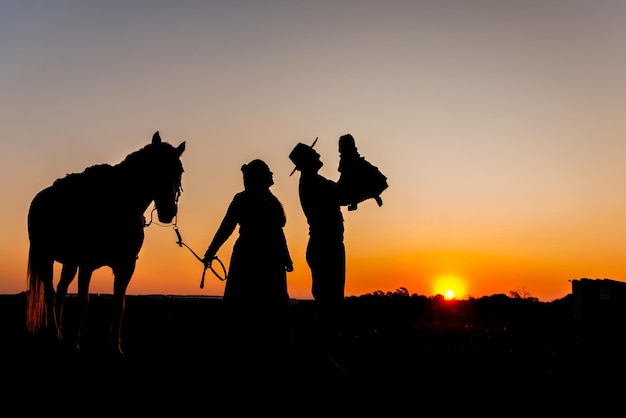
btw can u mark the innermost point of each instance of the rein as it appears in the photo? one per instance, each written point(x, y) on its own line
point(208, 265)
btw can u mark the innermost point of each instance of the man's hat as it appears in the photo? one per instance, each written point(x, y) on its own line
point(301, 154)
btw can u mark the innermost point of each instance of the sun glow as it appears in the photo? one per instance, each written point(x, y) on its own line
point(450, 287)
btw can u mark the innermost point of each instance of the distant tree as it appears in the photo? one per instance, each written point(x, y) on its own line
point(402, 291)
point(522, 293)
point(438, 298)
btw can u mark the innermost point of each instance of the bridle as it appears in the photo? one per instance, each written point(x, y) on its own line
point(179, 191)
point(208, 265)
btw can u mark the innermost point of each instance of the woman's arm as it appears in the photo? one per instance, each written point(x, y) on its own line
point(224, 231)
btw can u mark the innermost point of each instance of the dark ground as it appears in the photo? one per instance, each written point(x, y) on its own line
point(401, 353)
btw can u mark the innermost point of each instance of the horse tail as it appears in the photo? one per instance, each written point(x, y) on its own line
point(35, 302)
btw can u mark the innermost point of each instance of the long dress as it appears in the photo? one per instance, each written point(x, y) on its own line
point(256, 301)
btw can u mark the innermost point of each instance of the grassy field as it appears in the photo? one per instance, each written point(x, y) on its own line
point(398, 351)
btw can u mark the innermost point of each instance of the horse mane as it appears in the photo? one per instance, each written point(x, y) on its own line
point(95, 175)
point(98, 173)
point(103, 178)
point(148, 152)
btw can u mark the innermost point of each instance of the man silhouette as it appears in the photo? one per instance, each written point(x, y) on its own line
point(321, 200)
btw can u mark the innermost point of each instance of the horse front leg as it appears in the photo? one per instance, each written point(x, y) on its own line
point(123, 274)
point(68, 272)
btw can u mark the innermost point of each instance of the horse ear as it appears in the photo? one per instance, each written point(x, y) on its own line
point(156, 138)
point(181, 148)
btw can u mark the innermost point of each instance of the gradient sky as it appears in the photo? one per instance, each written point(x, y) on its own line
point(499, 125)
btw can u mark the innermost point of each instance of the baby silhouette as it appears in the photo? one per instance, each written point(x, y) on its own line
point(358, 176)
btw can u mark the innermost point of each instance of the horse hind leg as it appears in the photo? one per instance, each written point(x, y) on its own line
point(46, 275)
point(68, 272)
point(84, 278)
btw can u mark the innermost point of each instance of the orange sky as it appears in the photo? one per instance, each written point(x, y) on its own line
point(499, 127)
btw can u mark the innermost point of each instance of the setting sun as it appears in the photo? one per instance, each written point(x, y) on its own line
point(450, 287)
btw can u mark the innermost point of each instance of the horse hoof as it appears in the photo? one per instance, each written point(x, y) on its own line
point(116, 350)
point(52, 335)
point(71, 346)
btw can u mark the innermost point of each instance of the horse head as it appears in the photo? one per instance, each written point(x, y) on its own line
point(166, 177)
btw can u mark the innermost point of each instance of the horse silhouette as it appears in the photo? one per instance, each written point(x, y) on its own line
point(93, 219)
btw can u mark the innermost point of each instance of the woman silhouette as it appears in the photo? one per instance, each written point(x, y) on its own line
point(256, 302)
